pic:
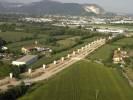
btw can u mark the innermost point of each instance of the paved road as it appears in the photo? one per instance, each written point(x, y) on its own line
point(49, 72)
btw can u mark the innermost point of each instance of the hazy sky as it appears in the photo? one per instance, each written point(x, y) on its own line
point(122, 6)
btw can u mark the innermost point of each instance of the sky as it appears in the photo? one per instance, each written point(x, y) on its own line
point(119, 6)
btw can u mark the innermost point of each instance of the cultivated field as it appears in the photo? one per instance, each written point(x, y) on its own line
point(84, 80)
point(116, 26)
point(15, 36)
point(65, 44)
point(105, 53)
point(46, 60)
point(123, 42)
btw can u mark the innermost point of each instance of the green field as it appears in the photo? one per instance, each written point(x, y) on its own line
point(83, 81)
point(14, 36)
point(16, 47)
point(123, 42)
point(5, 69)
point(105, 53)
point(57, 56)
point(116, 26)
point(63, 43)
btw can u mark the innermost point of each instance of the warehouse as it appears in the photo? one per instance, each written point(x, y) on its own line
point(110, 31)
point(26, 60)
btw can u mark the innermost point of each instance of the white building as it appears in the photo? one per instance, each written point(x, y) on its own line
point(26, 60)
point(39, 20)
point(4, 48)
point(110, 30)
point(122, 22)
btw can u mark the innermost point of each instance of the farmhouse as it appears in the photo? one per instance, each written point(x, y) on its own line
point(26, 50)
point(119, 56)
point(26, 60)
point(29, 49)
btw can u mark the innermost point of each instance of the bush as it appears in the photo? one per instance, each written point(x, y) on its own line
point(14, 92)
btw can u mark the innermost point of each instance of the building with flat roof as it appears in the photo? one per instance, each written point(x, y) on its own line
point(110, 30)
point(26, 60)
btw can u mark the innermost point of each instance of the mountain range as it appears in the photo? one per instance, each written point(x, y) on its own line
point(51, 7)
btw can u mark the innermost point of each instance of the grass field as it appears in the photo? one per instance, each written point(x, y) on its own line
point(65, 42)
point(105, 53)
point(120, 26)
point(5, 69)
point(16, 46)
point(83, 81)
point(14, 36)
point(68, 41)
point(123, 42)
point(45, 60)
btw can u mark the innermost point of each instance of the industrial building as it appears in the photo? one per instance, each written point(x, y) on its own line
point(26, 60)
point(110, 31)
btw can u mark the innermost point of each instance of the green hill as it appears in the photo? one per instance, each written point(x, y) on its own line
point(51, 7)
